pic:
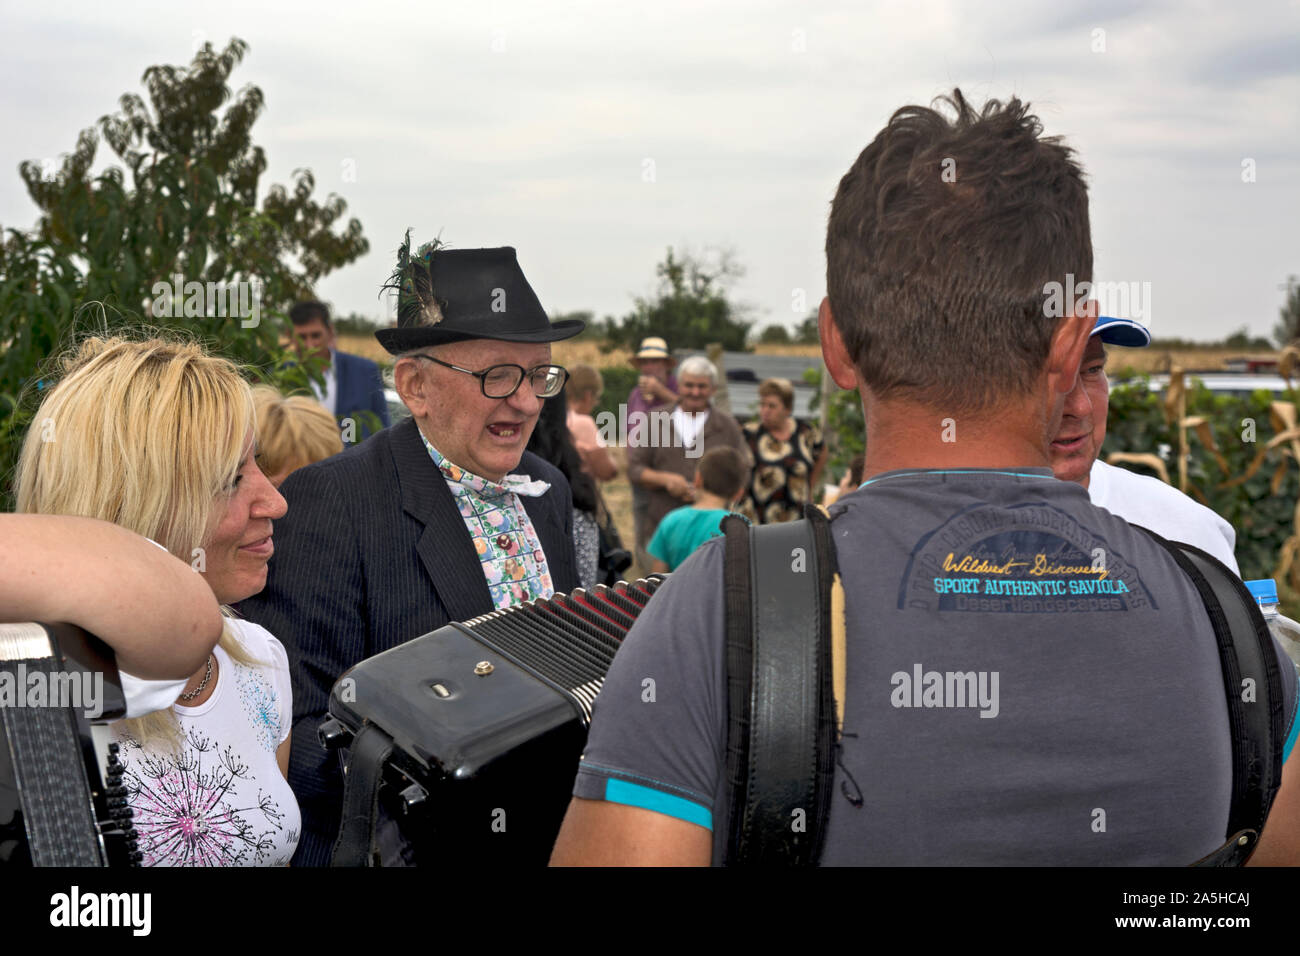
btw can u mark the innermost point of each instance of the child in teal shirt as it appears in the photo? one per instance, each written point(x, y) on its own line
point(720, 479)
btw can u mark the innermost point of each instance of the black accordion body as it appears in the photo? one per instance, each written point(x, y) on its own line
point(59, 805)
point(481, 726)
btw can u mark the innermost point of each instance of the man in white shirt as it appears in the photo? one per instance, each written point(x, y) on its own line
point(1144, 501)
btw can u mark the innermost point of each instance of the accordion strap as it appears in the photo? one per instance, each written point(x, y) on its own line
point(1253, 685)
point(781, 707)
point(365, 769)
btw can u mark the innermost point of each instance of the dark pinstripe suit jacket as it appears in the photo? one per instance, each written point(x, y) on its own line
point(373, 552)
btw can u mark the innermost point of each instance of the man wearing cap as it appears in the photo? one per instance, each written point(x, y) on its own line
point(1145, 501)
point(656, 386)
point(441, 518)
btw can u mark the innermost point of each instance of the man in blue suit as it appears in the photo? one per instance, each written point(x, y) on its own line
point(352, 383)
point(443, 517)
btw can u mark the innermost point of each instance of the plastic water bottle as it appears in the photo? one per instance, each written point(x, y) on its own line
point(1284, 629)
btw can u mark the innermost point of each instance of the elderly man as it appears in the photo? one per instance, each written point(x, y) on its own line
point(1100, 732)
point(1145, 501)
point(440, 518)
point(662, 460)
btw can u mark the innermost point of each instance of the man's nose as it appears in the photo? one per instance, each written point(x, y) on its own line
point(525, 400)
point(1077, 402)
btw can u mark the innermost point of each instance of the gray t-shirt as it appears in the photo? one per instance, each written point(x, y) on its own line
point(1030, 681)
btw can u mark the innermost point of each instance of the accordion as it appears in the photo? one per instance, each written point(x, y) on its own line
point(58, 805)
point(481, 725)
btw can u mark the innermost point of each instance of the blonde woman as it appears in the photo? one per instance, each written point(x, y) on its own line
point(292, 431)
point(157, 436)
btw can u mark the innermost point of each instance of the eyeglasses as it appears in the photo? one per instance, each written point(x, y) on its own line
point(502, 381)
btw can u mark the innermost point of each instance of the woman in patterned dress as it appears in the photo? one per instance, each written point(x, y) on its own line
point(788, 457)
point(157, 436)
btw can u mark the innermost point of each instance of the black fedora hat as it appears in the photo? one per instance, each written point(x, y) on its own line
point(451, 295)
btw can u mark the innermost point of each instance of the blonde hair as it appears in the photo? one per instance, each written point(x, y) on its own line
point(148, 434)
point(292, 431)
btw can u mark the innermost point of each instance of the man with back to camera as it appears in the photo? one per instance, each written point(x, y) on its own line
point(443, 517)
point(352, 383)
point(961, 554)
point(1148, 502)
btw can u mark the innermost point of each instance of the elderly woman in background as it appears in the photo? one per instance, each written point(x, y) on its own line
point(292, 431)
point(788, 457)
point(157, 436)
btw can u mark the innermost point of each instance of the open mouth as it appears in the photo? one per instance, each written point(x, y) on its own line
point(506, 430)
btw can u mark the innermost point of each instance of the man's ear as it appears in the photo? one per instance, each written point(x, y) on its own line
point(409, 385)
point(843, 372)
point(1068, 344)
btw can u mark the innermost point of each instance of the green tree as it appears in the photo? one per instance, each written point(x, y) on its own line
point(690, 310)
point(179, 215)
point(774, 335)
point(806, 333)
point(1242, 339)
point(1287, 329)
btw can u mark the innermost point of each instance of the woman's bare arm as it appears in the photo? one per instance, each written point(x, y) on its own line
point(159, 616)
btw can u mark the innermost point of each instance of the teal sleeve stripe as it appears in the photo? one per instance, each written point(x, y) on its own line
point(635, 795)
point(1295, 722)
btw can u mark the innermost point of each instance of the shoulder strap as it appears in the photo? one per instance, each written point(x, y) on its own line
point(781, 723)
point(1253, 686)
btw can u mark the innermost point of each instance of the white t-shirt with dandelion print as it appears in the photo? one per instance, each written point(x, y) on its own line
point(221, 799)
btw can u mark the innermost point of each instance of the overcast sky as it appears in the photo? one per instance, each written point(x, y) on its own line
point(539, 125)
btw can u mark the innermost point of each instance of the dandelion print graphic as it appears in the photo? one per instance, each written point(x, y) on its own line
point(189, 810)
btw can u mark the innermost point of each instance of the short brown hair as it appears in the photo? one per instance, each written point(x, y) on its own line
point(723, 473)
point(782, 388)
point(941, 239)
point(583, 379)
point(304, 312)
point(292, 432)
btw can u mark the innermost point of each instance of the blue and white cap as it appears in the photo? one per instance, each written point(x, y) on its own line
point(1123, 332)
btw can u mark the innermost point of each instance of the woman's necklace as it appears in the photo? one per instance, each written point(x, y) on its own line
point(207, 676)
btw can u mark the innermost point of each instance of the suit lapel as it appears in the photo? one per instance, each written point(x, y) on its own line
point(445, 547)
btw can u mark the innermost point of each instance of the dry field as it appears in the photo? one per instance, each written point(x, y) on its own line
point(1159, 360)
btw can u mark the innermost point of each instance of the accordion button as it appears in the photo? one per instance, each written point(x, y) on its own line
point(483, 668)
